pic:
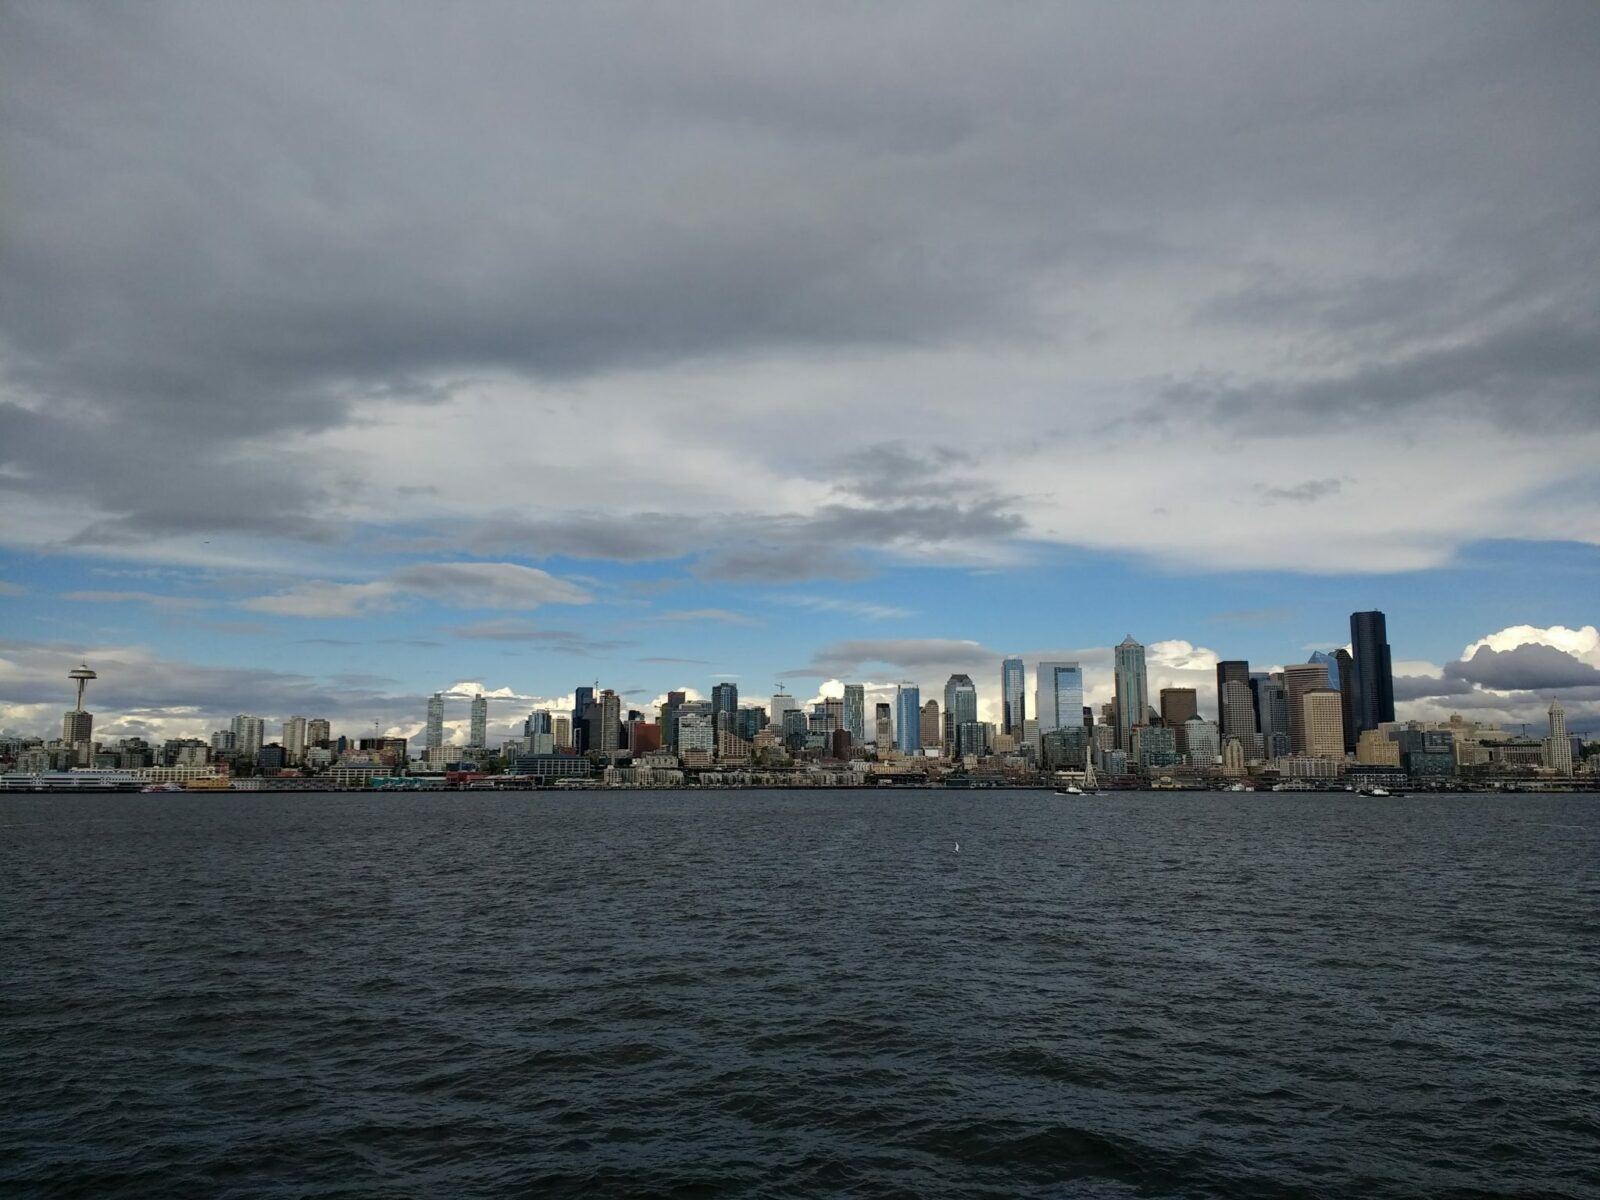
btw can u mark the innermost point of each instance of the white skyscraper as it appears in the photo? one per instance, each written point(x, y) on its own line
point(781, 703)
point(480, 721)
point(433, 738)
point(696, 734)
point(249, 733)
point(1558, 746)
point(294, 740)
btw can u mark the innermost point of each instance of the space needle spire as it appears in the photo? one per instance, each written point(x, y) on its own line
point(82, 674)
point(77, 726)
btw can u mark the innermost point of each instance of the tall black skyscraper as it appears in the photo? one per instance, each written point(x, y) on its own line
point(582, 702)
point(1346, 667)
point(1374, 676)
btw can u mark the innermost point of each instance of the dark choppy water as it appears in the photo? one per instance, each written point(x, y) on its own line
point(799, 994)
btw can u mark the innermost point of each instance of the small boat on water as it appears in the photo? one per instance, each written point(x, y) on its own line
point(1070, 788)
point(161, 788)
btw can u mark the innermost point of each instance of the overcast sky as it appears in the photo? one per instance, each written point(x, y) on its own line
point(349, 352)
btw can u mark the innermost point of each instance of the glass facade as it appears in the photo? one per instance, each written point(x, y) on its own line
point(1013, 705)
point(960, 708)
point(908, 718)
point(1058, 700)
point(724, 706)
point(1133, 695)
point(855, 712)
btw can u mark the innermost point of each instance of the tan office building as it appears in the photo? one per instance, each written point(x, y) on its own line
point(1322, 718)
point(1299, 679)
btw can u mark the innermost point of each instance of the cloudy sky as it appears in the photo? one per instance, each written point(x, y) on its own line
point(351, 352)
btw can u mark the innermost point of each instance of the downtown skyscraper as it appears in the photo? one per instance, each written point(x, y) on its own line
point(480, 721)
point(883, 725)
point(1013, 690)
point(1299, 680)
point(1558, 747)
point(908, 718)
point(582, 702)
point(1344, 673)
point(724, 707)
point(249, 734)
point(960, 708)
point(1236, 708)
point(294, 740)
point(1058, 696)
point(433, 737)
point(1374, 673)
point(855, 712)
point(1133, 695)
point(606, 732)
point(1272, 712)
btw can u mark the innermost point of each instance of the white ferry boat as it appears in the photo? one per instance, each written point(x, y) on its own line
point(68, 781)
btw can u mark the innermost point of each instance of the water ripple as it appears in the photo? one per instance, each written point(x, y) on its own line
point(777, 994)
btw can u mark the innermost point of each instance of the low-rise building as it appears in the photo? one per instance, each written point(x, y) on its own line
point(550, 766)
point(1308, 766)
point(1375, 748)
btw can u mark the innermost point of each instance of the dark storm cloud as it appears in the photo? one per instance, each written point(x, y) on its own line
point(909, 655)
point(310, 210)
point(793, 563)
point(516, 629)
point(1423, 687)
point(889, 472)
point(637, 537)
point(1541, 371)
point(1528, 667)
point(138, 469)
point(739, 547)
point(231, 223)
point(932, 522)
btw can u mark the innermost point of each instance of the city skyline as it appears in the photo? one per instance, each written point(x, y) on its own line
point(1054, 687)
point(1304, 725)
point(866, 355)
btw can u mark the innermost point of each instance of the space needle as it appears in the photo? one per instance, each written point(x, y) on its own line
point(77, 726)
point(82, 674)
